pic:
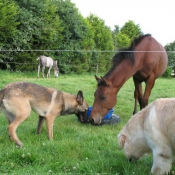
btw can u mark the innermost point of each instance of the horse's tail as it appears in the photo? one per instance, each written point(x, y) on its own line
point(1, 97)
point(38, 58)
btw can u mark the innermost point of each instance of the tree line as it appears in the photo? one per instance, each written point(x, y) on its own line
point(55, 28)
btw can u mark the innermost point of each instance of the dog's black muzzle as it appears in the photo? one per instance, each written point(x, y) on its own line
point(83, 117)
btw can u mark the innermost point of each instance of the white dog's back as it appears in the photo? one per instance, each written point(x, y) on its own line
point(151, 129)
point(161, 118)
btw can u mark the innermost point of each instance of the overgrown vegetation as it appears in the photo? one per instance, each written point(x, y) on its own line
point(170, 48)
point(77, 148)
point(55, 28)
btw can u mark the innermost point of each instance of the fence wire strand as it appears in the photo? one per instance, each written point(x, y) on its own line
point(80, 51)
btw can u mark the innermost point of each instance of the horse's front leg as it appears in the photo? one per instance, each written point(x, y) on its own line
point(149, 85)
point(137, 94)
point(43, 68)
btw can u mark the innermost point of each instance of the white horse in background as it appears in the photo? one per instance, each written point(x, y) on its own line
point(47, 62)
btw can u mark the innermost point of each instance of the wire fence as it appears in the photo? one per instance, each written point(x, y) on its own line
point(101, 51)
point(33, 65)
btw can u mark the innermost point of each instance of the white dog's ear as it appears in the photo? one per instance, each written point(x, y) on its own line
point(121, 139)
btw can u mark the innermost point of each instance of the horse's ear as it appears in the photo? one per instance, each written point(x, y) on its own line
point(98, 79)
point(80, 97)
point(101, 81)
point(105, 81)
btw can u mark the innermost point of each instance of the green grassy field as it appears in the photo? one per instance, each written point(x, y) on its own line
point(77, 148)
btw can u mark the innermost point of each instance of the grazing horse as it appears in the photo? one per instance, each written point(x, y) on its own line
point(145, 60)
point(47, 62)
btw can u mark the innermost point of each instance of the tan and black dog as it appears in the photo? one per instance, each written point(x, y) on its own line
point(17, 100)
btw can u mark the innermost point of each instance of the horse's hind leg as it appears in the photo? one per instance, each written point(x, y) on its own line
point(137, 94)
point(136, 100)
point(38, 70)
point(48, 73)
point(40, 124)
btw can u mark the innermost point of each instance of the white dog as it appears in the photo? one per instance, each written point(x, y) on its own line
point(151, 130)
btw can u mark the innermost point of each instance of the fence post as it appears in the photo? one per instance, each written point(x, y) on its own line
point(97, 70)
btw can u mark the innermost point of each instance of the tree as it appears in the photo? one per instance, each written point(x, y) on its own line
point(103, 43)
point(8, 29)
point(39, 27)
point(8, 23)
point(76, 37)
point(170, 48)
point(126, 35)
point(114, 33)
point(56, 29)
point(123, 41)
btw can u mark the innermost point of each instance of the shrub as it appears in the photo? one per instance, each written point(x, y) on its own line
point(167, 73)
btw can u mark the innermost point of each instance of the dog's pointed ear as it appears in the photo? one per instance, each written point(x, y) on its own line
point(121, 140)
point(80, 97)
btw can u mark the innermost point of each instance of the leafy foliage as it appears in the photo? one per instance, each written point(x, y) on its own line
point(123, 40)
point(55, 28)
point(170, 48)
point(102, 36)
point(8, 29)
point(167, 73)
point(126, 35)
point(7, 21)
point(38, 28)
point(76, 34)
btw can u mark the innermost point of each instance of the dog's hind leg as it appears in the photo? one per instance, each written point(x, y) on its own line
point(12, 129)
point(17, 109)
point(12, 132)
point(40, 124)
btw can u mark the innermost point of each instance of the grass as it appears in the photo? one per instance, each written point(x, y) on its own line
point(77, 148)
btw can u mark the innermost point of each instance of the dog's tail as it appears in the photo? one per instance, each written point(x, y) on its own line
point(1, 97)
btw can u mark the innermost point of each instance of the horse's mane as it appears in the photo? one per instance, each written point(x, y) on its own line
point(124, 54)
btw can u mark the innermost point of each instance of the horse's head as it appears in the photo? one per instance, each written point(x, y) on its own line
point(105, 99)
point(56, 72)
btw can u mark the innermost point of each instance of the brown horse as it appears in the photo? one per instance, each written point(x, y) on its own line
point(145, 60)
